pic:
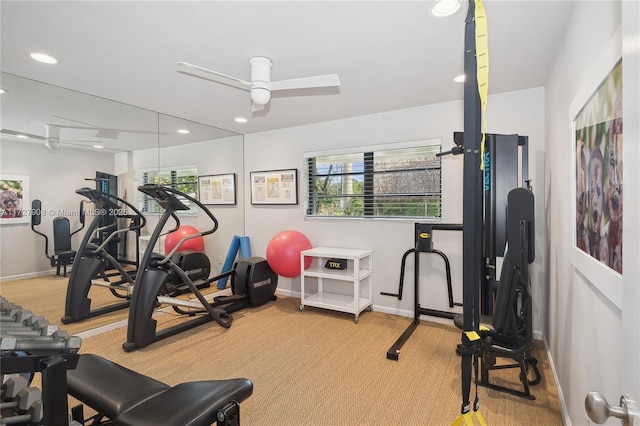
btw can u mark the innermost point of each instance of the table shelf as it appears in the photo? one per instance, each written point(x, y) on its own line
point(358, 273)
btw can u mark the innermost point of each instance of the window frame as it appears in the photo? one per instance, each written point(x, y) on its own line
point(369, 173)
point(147, 206)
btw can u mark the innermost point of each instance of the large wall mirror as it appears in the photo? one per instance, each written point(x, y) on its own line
point(55, 139)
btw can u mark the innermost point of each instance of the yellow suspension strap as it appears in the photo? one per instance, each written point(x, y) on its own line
point(482, 65)
point(475, 98)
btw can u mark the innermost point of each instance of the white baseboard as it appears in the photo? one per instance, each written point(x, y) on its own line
point(29, 275)
point(378, 308)
point(563, 406)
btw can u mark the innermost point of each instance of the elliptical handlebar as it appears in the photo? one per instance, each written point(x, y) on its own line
point(175, 228)
point(36, 207)
point(104, 200)
point(168, 199)
point(82, 218)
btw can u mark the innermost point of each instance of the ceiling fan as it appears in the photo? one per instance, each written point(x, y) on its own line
point(103, 132)
point(51, 138)
point(260, 85)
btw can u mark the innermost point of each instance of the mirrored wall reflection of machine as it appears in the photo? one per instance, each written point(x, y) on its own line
point(108, 183)
point(506, 166)
point(117, 247)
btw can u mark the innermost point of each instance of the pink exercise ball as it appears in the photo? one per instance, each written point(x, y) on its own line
point(283, 253)
point(192, 244)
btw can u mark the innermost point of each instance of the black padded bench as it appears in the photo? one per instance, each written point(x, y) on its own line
point(126, 397)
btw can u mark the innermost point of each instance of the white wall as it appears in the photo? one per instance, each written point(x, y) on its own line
point(53, 178)
point(584, 334)
point(518, 112)
point(55, 175)
point(220, 156)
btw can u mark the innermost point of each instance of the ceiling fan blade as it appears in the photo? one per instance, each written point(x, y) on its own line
point(329, 80)
point(91, 126)
point(56, 145)
point(196, 71)
point(19, 134)
point(108, 133)
point(102, 132)
point(79, 142)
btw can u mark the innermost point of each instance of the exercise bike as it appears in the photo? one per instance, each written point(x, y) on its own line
point(93, 259)
point(253, 282)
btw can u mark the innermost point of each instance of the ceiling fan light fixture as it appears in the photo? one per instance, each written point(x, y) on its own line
point(445, 8)
point(52, 144)
point(44, 58)
point(260, 95)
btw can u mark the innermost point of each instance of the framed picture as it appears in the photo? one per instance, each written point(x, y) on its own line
point(596, 137)
point(14, 199)
point(274, 187)
point(217, 189)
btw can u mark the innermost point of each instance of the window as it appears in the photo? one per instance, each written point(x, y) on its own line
point(183, 179)
point(398, 180)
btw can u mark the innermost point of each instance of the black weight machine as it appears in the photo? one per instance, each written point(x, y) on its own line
point(94, 260)
point(253, 283)
point(508, 332)
point(506, 167)
point(497, 318)
point(63, 253)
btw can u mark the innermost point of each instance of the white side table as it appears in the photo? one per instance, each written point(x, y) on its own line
point(357, 274)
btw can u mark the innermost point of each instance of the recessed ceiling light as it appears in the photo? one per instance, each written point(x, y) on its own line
point(44, 58)
point(183, 131)
point(240, 120)
point(22, 136)
point(3, 91)
point(445, 8)
point(98, 146)
point(460, 78)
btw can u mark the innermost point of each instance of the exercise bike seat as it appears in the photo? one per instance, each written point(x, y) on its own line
point(485, 327)
point(130, 398)
point(187, 404)
point(110, 388)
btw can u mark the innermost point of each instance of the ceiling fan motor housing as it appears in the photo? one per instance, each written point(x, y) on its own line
point(260, 79)
point(52, 136)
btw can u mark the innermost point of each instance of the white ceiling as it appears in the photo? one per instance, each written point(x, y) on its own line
point(389, 55)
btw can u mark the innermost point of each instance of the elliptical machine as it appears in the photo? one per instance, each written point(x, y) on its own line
point(253, 282)
point(93, 259)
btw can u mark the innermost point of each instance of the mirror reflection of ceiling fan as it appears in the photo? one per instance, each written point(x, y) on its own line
point(103, 132)
point(51, 138)
point(53, 141)
point(260, 85)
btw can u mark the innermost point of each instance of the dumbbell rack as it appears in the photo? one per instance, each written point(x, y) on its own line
point(43, 349)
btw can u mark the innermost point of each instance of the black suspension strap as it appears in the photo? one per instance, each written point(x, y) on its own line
point(476, 66)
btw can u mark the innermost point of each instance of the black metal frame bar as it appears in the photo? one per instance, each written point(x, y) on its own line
point(53, 371)
point(423, 244)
